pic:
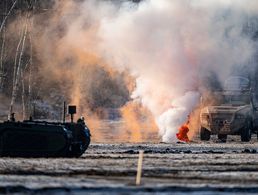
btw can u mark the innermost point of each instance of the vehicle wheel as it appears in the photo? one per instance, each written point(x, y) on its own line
point(246, 132)
point(205, 134)
point(222, 137)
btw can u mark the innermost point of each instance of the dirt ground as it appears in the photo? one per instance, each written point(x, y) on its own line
point(196, 168)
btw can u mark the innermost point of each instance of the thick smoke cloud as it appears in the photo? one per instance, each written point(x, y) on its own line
point(168, 46)
point(66, 45)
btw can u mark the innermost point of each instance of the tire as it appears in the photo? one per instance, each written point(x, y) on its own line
point(222, 137)
point(205, 134)
point(246, 132)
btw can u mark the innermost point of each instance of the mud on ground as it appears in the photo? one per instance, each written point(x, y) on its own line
point(199, 167)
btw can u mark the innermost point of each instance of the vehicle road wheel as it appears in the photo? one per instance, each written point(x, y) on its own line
point(246, 132)
point(205, 134)
point(222, 137)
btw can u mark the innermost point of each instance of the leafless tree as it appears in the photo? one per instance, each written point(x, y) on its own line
point(18, 63)
point(2, 52)
point(33, 3)
point(6, 16)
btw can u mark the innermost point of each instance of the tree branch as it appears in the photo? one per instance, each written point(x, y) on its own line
point(5, 18)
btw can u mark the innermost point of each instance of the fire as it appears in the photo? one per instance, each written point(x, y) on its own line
point(188, 131)
point(182, 134)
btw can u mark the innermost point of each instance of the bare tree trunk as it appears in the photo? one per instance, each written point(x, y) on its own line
point(23, 97)
point(30, 81)
point(16, 57)
point(2, 73)
point(31, 66)
point(6, 16)
point(29, 105)
point(25, 103)
point(2, 55)
point(18, 69)
point(15, 71)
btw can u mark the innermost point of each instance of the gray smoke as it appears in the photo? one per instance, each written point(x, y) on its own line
point(170, 47)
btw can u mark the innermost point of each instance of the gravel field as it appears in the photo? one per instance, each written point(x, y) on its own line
point(197, 168)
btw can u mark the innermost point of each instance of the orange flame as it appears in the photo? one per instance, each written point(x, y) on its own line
point(183, 131)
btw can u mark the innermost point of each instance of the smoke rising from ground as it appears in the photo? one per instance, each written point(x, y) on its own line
point(168, 46)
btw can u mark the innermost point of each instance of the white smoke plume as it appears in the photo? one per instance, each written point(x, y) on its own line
point(170, 120)
point(168, 46)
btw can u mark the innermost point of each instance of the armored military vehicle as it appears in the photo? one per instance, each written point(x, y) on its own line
point(44, 139)
point(232, 112)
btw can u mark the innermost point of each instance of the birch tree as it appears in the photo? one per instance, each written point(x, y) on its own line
point(18, 64)
point(2, 52)
point(31, 61)
point(6, 16)
point(6, 13)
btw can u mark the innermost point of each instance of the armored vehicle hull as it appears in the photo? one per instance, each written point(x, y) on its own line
point(232, 112)
point(43, 139)
point(226, 120)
